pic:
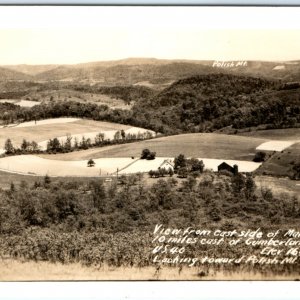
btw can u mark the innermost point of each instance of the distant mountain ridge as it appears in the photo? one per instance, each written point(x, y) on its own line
point(152, 70)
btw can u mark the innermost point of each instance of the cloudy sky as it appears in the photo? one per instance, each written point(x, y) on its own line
point(46, 35)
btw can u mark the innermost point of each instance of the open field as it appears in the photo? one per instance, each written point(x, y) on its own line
point(279, 185)
point(208, 145)
point(281, 163)
point(7, 178)
point(287, 134)
point(41, 122)
point(274, 145)
point(22, 103)
point(47, 122)
point(59, 127)
point(14, 270)
point(34, 165)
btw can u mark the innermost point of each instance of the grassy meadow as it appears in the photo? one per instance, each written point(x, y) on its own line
point(206, 145)
point(43, 132)
point(281, 163)
point(286, 134)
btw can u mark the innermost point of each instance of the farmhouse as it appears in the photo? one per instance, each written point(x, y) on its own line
point(167, 164)
point(227, 167)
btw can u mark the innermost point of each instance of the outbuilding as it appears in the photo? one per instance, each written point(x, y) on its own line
point(225, 166)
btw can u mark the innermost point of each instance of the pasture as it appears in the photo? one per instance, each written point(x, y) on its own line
point(6, 178)
point(22, 103)
point(274, 145)
point(278, 185)
point(34, 165)
point(288, 134)
point(281, 163)
point(207, 145)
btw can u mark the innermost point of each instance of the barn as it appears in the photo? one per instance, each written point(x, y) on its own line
point(225, 166)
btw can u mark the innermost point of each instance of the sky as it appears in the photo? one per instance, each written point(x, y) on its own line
point(68, 35)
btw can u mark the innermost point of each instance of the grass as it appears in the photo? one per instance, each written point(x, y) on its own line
point(206, 145)
point(275, 134)
point(278, 186)
point(15, 270)
point(281, 163)
point(34, 165)
point(40, 133)
point(7, 178)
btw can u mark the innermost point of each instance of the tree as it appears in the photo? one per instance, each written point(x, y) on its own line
point(151, 173)
point(145, 153)
point(68, 143)
point(196, 165)
point(182, 172)
point(76, 145)
point(179, 162)
point(54, 145)
point(99, 138)
point(83, 143)
point(91, 163)
point(34, 146)
point(123, 135)
point(249, 188)
point(238, 183)
point(151, 156)
point(260, 156)
point(170, 172)
point(296, 169)
point(47, 179)
point(24, 145)
point(117, 135)
point(162, 172)
point(9, 148)
point(98, 195)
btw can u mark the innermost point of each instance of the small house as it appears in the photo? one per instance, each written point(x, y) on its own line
point(166, 164)
point(225, 166)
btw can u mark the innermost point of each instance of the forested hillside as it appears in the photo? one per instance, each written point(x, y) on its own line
point(202, 103)
point(210, 102)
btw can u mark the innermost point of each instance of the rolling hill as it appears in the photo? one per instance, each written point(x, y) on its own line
point(135, 70)
point(210, 102)
point(7, 74)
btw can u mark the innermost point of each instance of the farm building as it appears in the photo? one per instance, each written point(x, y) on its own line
point(224, 166)
point(167, 164)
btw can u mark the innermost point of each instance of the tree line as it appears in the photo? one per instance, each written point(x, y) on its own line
point(70, 143)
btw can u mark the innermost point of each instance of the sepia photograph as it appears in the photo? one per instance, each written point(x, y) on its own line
point(149, 143)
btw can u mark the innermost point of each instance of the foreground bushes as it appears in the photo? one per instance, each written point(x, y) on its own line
point(95, 224)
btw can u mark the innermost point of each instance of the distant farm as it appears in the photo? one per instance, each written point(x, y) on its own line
point(211, 148)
